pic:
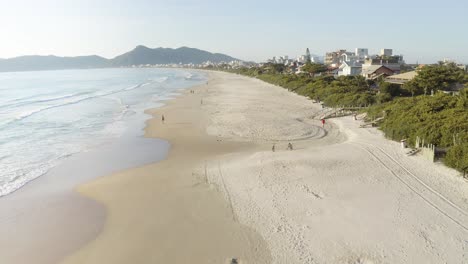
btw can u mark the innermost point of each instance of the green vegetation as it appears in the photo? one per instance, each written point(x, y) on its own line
point(314, 68)
point(441, 119)
point(435, 78)
point(457, 157)
point(343, 91)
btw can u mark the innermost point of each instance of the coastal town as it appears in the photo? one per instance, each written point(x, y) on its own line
point(383, 65)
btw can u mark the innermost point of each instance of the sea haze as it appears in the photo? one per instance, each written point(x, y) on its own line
point(47, 116)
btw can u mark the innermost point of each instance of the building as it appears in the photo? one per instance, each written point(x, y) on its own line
point(393, 63)
point(401, 78)
point(280, 60)
point(376, 71)
point(315, 59)
point(361, 53)
point(348, 57)
point(386, 52)
point(333, 58)
point(350, 69)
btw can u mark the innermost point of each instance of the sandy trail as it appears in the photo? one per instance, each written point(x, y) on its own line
point(360, 199)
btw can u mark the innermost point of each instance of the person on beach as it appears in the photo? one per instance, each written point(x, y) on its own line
point(162, 119)
point(290, 146)
point(273, 148)
point(323, 122)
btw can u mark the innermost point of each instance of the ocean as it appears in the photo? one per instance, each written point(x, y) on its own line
point(47, 117)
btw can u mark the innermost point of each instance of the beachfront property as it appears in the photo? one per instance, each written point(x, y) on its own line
point(394, 63)
point(373, 72)
point(334, 58)
point(359, 61)
point(350, 68)
point(401, 78)
point(280, 60)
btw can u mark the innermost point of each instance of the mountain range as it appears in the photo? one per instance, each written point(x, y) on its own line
point(141, 55)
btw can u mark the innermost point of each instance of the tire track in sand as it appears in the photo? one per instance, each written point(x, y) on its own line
point(433, 198)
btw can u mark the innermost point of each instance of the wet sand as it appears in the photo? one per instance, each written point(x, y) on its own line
point(47, 220)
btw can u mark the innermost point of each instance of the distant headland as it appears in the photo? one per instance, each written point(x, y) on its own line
point(140, 55)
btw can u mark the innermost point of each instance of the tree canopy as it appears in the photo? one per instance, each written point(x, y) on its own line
point(435, 78)
point(314, 68)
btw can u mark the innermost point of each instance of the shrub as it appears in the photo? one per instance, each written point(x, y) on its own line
point(457, 157)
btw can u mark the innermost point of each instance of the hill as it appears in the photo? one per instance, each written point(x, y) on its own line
point(144, 55)
point(37, 63)
point(138, 56)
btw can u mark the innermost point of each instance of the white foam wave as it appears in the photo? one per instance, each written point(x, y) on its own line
point(30, 113)
point(41, 99)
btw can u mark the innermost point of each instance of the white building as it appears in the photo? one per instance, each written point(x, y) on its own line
point(315, 59)
point(348, 57)
point(350, 68)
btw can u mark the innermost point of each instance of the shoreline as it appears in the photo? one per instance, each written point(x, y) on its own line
point(279, 200)
point(321, 203)
point(192, 219)
point(221, 192)
point(39, 220)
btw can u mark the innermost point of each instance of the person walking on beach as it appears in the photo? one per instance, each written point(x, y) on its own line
point(273, 148)
point(290, 147)
point(162, 119)
point(323, 122)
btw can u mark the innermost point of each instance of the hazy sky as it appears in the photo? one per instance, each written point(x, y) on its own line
point(423, 30)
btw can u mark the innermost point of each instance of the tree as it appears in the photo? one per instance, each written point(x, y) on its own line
point(275, 68)
point(437, 77)
point(412, 87)
point(457, 157)
point(308, 58)
point(314, 68)
point(389, 88)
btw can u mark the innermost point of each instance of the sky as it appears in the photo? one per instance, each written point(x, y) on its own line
point(423, 31)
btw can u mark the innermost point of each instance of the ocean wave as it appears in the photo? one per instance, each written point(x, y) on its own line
point(188, 76)
point(45, 100)
point(20, 162)
point(136, 86)
point(21, 178)
point(162, 79)
point(30, 113)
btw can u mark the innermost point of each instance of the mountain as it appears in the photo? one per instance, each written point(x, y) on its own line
point(37, 63)
point(138, 56)
point(184, 55)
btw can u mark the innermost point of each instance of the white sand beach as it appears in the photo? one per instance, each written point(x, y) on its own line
point(350, 196)
point(344, 194)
